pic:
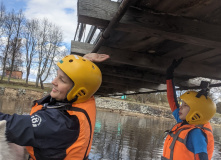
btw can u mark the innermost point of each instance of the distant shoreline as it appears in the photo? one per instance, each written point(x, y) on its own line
point(123, 107)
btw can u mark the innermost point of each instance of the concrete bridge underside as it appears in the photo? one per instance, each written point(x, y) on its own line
point(143, 37)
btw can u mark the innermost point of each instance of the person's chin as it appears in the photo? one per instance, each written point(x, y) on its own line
point(52, 95)
point(182, 118)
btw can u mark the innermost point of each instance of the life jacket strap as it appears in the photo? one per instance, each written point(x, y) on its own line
point(68, 107)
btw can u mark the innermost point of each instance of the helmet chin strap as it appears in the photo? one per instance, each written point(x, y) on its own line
point(184, 122)
point(53, 101)
point(71, 101)
point(74, 100)
point(205, 89)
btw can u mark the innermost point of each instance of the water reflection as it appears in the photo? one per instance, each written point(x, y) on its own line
point(118, 137)
point(217, 137)
point(126, 137)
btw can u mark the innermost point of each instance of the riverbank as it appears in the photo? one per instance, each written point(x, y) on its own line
point(21, 94)
point(123, 107)
point(140, 109)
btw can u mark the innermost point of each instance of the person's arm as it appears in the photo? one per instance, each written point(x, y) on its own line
point(172, 99)
point(202, 156)
point(197, 143)
point(171, 92)
point(171, 95)
point(18, 128)
point(38, 129)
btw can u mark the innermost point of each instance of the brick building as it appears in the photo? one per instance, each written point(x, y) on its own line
point(15, 74)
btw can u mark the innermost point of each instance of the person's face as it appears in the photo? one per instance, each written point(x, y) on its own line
point(184, 110)
point(61, 85)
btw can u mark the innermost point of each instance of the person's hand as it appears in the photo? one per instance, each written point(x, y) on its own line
point(171, 68)
point(95, 57)
point(176, 63)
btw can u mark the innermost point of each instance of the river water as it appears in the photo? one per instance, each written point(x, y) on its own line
point(122, 137)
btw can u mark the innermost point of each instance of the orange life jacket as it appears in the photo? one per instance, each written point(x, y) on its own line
point(175, 143)
point(86, 113)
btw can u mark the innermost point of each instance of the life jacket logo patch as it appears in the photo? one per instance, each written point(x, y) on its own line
point(35, 120)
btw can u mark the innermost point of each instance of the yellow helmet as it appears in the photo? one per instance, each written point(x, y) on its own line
point(202, 109)
point(85, 74)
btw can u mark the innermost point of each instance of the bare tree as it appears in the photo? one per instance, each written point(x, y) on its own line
point(42, 44)
point(55, 39)
point(8, 31)
point(16, 44)
point(30, 35)
point(43, 54)
point(2, 19)
point(14, 61)
point(49, 41)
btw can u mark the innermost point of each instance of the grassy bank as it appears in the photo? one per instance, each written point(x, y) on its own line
point(20, 84)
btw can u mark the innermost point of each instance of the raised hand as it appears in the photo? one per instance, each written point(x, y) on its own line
point(176, 63)
point(95, 57)
point(171, 68)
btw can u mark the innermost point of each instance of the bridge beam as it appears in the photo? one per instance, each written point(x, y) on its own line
point(177, 28)
point(149, 62)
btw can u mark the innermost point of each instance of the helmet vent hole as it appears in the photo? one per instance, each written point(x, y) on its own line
point(93, 67)
point(83, 60)
point(198, 116)
point(71, 60)
point(81, 93)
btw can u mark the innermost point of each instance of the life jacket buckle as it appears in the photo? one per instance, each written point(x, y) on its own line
point(45, 106)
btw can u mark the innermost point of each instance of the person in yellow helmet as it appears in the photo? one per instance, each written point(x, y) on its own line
point(61, 125)
point(191, 138)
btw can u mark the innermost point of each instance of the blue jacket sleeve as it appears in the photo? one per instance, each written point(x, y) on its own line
point(18, 128)
point(197, 143)
point(43, 129)
point(203, 156)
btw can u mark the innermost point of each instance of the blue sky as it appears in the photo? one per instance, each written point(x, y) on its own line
point(63, 13)
point(14, 4)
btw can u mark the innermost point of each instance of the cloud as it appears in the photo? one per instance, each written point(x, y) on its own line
point(62, 13)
